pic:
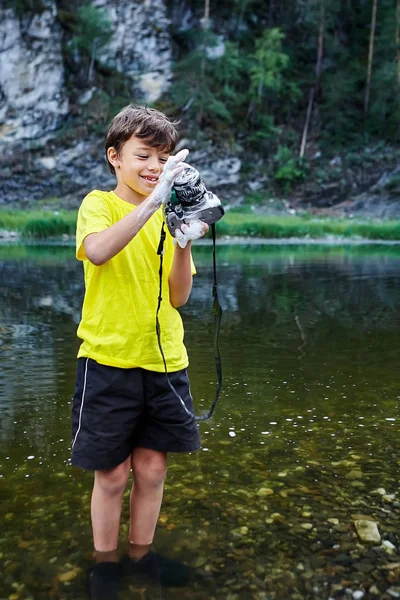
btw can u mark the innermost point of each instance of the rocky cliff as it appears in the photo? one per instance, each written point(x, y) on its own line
point(56, 98)
point(33, 96)
point(46, 149)
point(33, 87)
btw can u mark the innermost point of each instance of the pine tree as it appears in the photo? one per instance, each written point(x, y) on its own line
point(92, 31)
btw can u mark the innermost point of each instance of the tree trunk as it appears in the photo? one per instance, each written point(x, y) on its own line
point(398, 62)
point(307, 123)
point(92, 59)
point(398, 42)
point(315, 89)
point(242, 10)
point(370, 55)
point(205, 25)
point(320, 54)
point(271, 13)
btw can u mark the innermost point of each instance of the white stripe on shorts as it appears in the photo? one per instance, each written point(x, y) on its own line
point(82, 403)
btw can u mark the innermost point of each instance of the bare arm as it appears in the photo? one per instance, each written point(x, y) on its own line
point(180, 278)
point(104, 245)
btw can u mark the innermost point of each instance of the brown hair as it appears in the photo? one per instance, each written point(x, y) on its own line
point(148, 124)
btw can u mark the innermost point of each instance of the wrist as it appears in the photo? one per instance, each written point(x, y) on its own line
point(187, 248)
point(151, 204)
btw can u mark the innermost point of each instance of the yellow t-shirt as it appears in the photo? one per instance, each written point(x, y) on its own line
point(119, 309)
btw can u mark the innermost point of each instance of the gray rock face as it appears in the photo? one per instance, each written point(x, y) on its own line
point(140, 47)
point(33, 99)
point(223, 171)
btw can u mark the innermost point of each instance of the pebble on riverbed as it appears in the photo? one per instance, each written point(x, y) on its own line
point(265, 492)
point(367, 531)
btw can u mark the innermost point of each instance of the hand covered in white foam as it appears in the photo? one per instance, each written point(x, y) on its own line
point(192, 231)
point(173, 167)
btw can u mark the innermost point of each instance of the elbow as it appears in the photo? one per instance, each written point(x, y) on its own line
point(93, 252)
point(95, 259)
point(98, 262)
point(179, 300)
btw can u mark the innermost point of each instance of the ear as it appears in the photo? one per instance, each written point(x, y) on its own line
point(112, 156)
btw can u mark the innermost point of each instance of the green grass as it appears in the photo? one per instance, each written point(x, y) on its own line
point(46, 224)
point(276, 227)
point(39, 224)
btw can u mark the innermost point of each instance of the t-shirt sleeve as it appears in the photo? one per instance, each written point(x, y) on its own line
point(94, 215)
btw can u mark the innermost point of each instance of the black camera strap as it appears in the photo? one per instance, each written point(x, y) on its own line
point(217, 312)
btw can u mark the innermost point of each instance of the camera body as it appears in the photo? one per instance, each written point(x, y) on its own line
point(190, 200)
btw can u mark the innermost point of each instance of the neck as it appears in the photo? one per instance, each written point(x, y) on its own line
point(129, 195)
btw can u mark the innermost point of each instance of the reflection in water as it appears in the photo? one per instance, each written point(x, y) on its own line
point(303, 445)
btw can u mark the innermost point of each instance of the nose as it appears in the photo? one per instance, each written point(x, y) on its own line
point(153, 164)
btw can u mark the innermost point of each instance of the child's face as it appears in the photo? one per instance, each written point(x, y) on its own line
point(139, 166)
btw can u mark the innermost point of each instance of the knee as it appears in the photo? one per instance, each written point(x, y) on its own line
point(113, 482)
point(149, 470)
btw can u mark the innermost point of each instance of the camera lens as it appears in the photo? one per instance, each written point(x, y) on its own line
point(189, 187)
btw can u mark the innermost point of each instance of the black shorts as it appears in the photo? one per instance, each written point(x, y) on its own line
point(116, 410)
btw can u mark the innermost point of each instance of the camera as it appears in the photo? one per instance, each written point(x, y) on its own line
point(190, 200)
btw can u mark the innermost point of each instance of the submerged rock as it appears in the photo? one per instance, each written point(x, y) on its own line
point(367, 531)
point(265, 492)
point(354, 475)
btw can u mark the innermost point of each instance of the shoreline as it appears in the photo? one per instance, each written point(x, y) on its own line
point(331, 240)
point(237, 227)
point(296, 241)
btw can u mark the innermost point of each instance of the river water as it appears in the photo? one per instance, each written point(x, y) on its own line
point(304, 443)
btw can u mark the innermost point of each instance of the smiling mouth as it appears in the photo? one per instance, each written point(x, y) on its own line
point(150, 179)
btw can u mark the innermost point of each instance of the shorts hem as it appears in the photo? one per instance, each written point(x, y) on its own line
point(170, 448)
point(88, 465)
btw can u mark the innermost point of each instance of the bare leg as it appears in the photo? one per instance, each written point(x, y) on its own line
point(108, 489)
point(149, 469)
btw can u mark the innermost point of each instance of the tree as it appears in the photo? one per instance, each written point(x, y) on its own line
point(398, 43)
point(266, 80)
point(370, 55)
point(92, 32)
point(315, 88)
point(269, 63)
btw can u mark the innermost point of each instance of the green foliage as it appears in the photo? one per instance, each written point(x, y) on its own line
point(289, 168)
point(255, 225)
point(233, 88)
point(44, 228)
point(20, 7)
point(254, 93)
point(236, 222)
point(197, 88)
point(269, 63)
point(384, 108)
point(393, 185)
point(263, 129)
point(341, 118)
point(39, 224)
point(254, 198)
point(262, 82)
point(92, 28)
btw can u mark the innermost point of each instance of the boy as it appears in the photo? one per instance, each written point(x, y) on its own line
point(124, 414)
